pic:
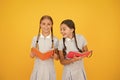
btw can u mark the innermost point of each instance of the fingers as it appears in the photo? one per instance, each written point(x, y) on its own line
point(77, 58)
point(32, 55)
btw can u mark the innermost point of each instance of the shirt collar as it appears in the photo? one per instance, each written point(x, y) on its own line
point(68, 39)
point(49, 36)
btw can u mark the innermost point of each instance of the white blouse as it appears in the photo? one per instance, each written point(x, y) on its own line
point(75, 70)
point(44, 69)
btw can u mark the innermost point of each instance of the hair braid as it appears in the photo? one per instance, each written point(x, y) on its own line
point(64, 49)
point(76, 42)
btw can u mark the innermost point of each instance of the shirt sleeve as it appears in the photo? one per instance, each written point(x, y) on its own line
point(56, 43)
point(33, 44)
point(60, 45)
point(84, 41)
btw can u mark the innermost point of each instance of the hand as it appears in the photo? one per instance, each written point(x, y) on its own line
point(50, 51)
point(56, 56)
point(32, 55)
point(55, 53)
point(77, 58)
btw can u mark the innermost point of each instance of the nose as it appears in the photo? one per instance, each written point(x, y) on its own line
point(46, 26)
point(61, 31)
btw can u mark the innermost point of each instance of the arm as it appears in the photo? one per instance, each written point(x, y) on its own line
point(56, 54)
point(85, 53)
point(40, 55)
point(85, 48)
point(66, 61)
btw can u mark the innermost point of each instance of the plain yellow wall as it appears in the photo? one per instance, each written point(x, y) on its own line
point(97, 20)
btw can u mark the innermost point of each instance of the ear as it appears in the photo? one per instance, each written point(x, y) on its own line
point(72, 30)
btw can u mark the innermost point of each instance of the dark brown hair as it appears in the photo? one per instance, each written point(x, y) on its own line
point(71, 25)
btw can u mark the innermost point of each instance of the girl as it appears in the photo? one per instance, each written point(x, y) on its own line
point(44, 69)
point(73, 68)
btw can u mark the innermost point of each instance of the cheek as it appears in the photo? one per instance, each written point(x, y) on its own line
point(42, 26)
point(60, 31)
point(49, 27)
point(67, 32)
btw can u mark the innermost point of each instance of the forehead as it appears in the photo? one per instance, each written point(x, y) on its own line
point(64, 26)
point(46, 20)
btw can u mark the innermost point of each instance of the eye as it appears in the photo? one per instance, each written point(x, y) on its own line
point(43, 23)
point(48, 24)
point(64, 29)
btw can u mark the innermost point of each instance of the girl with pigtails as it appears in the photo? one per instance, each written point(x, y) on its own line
point(73, 66)
point(44, 49)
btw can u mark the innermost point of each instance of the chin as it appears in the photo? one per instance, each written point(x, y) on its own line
point(47, 31)
point(64, 36)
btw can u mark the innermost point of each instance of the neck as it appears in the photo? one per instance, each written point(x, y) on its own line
point(70, 36)
point(45, 34)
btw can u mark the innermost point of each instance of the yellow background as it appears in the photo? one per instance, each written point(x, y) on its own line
point(97, 20)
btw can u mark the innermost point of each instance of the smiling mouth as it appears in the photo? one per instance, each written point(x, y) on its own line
point(63, 34)
point(46, 29)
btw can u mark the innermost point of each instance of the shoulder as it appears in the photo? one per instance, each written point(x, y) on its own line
point(61, 41)
point(79, 36)
point(60, 45)
point(55, 38)
point(34, 37)
point(34, 40)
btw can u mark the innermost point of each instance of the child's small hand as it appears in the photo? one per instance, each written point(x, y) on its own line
point(32, 55)
point(52, 56)
point(56, 56)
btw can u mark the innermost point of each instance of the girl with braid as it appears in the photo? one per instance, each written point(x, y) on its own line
point(45, 43)
point(73, 67)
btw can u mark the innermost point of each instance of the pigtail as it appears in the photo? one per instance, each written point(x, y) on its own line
point(38, 37)
point(52, 37)
point(64, 49)
point(76, 42)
